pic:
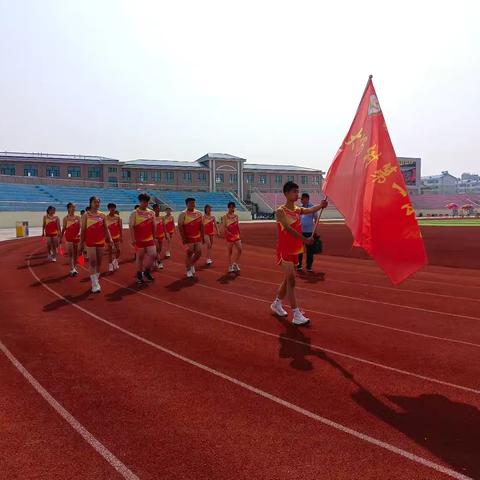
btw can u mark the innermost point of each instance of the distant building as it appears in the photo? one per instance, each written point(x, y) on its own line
point(443, 183)
point(213, 172)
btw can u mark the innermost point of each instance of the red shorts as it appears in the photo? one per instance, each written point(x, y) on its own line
point(51, 235)
point(281, 257)
point(145, 243)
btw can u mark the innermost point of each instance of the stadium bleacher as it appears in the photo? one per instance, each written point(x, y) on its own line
point(35, 198)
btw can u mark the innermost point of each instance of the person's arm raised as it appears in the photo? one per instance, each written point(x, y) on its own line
point(316, 208)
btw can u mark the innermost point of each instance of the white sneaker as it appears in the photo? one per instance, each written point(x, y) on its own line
point(160, 265)
point(189, 273)
point(168, 254)
point(231, 269)
point(277, 309)
point(116, 266)
point(111, 268)
point(73, 272)
point(95, 283)
point(209, 261)
point(299, 318)
point(49, 258)
point(54, 259)
point(236, 266)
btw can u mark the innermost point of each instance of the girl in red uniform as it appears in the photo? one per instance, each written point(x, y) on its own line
point(290, 245)
point(159, 234)
point(169, 222)
point(51, 229)
point(231, 232)
point(114, 224)
point(93, 234)
point(210, 229)
point(71, 230)
point(142, 235)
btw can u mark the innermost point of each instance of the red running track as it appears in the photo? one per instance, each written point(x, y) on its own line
point(197, 380)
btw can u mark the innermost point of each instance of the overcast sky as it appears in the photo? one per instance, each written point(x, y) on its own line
point(271, 81)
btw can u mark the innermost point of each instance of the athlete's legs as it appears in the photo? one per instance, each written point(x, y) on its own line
point(139, 259)
point(54, 246)
point(238, 250)
point(229, 250)
point(92, 260)
point(99, 254)
point(117, 250)
point(209, 244)
point(189, 255)
point(287, 288)
point(197, 252)
point(150, 254)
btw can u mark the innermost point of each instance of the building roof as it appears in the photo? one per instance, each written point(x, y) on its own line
point(162, 163)
point(56, 157)
point(283, 168)
point(219, 156)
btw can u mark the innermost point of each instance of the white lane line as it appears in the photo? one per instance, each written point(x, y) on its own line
point(382, 287)
point(360, 299)
point(379, 275)
point(316, 347)
point(341, 317)
point(70, 419)
point(307, 413)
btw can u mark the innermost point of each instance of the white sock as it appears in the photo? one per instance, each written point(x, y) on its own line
point(296, 311)
point(277, 300)
point(93, 279)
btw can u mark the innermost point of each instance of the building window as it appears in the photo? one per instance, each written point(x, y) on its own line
point(290, 178)
point(249, 178)
point(113, 181)
point(169, 177)
point(73, 172)
point(233, 178)
point(53, 171)
point(7, 170)
point(304, 179)
point(156, 176)
point(112, 169)
point(126, 175)
point(316, 179)
point(202, 177)
point(93, 172)
point(187, 177)
point(30, 171)
point(278, 179)
point(219, 178)
point(262, 180)
point(142, 176)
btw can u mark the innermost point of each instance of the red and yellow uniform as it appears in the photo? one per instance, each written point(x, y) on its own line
point(113, 224)
point(95, 229)
point(143, 227)
point(192, 224)
point(209, 225)
point(72, 228)
point(159, 228)
point(289, 247)
point(169, 224)
point(51, 226)
point(232, 230)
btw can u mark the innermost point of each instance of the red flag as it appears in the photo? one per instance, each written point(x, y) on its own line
point(367, 187)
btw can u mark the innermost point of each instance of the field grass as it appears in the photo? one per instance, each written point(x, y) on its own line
point(451, 222)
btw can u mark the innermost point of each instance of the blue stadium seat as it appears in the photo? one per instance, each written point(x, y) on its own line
point(19, 197)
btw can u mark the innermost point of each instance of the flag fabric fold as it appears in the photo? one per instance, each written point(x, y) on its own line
point(367, 187)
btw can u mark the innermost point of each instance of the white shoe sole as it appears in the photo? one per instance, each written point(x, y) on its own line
point(277, 312)
point(301, 323)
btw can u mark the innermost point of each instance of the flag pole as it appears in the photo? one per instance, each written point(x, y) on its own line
point(318, 219)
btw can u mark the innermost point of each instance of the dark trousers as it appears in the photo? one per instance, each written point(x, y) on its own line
point(309, 252)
